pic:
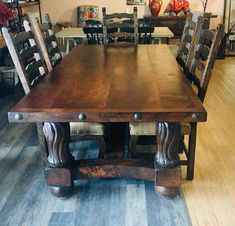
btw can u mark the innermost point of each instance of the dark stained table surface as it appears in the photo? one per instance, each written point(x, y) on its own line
point(111, 84)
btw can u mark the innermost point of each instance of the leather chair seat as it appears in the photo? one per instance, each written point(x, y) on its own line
point(149, 128)
point(86, 128)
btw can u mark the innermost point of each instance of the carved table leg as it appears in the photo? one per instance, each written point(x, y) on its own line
point(167, 162)
point(57, 173)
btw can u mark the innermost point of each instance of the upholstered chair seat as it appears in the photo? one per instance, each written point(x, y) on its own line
point(149, 128)
point(86, 128)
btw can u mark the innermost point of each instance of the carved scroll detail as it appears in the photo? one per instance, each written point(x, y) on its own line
point(57, 137)
point(168, 137)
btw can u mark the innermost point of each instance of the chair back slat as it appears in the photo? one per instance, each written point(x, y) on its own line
point(22, 37)
point(28, 52)
point(119, 16)
point(34, 66)
point(126, 23)
point(204, 56)
point(189, 39)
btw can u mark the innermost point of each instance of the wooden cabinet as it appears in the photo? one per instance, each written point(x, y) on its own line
point(174, 23)
point(229, 22)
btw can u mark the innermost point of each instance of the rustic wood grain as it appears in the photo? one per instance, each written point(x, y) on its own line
point(112, 88)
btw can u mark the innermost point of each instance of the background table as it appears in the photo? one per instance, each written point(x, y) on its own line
point(71, 34)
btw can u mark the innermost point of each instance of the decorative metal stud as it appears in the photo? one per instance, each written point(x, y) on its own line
point(18, 116)
point(137, 116)
point(194, 116)
point(82, 117)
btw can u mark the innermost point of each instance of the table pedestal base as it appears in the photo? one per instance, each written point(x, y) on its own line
point(62, 169)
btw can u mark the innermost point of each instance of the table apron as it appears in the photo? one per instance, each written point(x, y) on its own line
point(107, 117)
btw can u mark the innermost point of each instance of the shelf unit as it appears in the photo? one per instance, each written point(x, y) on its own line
point(19, 6)
point(229, 21)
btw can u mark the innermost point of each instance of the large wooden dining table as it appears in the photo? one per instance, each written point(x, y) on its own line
point(113, 84)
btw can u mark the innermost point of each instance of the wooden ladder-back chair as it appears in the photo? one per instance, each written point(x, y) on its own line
point(189, 38)
point(199, 74)
point(29, 66)
point(120, 27)
point(50, 41)
point(26, 58)
point(78, 130)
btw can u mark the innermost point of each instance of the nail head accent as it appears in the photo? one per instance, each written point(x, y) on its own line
point(194, 116)
point(137, 116)
point(18, 116)
point(82, 117)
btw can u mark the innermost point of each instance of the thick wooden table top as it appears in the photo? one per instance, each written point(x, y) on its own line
point(111, 84)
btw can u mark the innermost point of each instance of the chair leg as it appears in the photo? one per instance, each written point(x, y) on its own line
point(191, 151)
point(101, 141)
point(133, 145)
point(181, 145)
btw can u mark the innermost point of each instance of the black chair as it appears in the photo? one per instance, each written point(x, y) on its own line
point(94, 35)
point(145, 35)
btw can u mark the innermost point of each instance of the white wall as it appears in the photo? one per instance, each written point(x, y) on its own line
point(60, 10)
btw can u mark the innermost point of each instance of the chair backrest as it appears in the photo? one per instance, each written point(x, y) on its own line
point(47, 42)
point(204, 56)
point(26, 57)
point(94, 35)
point(50, 41)
point(189, 39)
point(125, 23)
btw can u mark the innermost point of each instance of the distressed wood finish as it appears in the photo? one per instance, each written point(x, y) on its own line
point(168, 137)
point(59, 156)
point(110, 88)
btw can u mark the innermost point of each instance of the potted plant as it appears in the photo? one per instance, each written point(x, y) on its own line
point(5, 14)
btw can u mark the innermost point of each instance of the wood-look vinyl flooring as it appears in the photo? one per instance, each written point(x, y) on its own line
point(25, 200)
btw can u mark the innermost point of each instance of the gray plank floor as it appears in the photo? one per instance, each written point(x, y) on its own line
point(25, 199)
